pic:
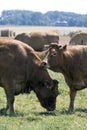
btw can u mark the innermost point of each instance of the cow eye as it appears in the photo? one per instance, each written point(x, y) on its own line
point(53, 53)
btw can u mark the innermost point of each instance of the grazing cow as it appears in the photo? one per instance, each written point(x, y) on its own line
point(21, 72)
point(37, 40)
point(71, 61)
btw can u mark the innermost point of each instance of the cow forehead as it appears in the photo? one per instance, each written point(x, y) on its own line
point(53, 49)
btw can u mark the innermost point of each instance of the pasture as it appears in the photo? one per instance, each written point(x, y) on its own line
point(61, 30)
point(31, 116)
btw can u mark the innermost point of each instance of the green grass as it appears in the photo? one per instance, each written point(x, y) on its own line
point(31, 116)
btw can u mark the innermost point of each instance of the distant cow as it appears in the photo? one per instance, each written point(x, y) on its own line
point(72, 33)
point(21, 72)
point(37, 40)
point(71, 61)
point(79, 39)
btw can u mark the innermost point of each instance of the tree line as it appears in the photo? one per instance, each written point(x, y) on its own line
point(50, 18)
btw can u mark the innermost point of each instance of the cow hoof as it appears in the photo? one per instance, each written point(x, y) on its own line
point(70, 111)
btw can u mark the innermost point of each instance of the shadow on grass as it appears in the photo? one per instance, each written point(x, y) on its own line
point(53, 113)
point(26, 116)
point(48, 113)
point(81, 110)
point(66, 112)
point(58, 113)
point(3, 112)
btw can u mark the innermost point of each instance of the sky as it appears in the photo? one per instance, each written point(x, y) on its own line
point(76, 6)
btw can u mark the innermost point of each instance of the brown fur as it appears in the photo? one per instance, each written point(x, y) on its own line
point(71, 61)
point(79, 39)
point(21, 72)
point(37, 40)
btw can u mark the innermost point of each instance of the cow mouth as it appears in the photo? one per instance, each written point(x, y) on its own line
point(49, 107)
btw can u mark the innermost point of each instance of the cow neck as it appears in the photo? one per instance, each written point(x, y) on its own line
point(35, 73)
point(29, 86)
point(33, 68)
point(66, 68)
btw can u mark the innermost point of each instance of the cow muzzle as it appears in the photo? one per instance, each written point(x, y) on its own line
point(45, 65)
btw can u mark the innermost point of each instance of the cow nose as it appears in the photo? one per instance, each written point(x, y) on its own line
point(44, 65)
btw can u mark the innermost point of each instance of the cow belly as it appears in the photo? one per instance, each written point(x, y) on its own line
point(79, 85)
point(19, 88)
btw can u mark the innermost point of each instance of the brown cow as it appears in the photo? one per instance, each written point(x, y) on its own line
point(21, 72)
point(79, 38)
point(71, 61)
point(37, 40)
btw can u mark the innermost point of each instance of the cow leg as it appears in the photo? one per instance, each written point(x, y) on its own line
point(7, 107)
point(10, 102)
point(9, 91)
point(72, 98)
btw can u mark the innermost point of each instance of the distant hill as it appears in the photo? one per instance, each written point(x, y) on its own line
point(50, 18)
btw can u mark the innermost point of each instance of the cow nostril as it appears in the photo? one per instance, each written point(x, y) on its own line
point(44, 65)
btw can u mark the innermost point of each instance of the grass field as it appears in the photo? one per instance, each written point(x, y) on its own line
point(31, 116)
point(60, 30)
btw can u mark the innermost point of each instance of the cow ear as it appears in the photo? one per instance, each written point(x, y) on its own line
point(55, 84)
point(55, 81)
point(64, 47)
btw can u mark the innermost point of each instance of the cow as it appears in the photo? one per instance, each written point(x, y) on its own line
point(79, 38)
point(37, 40)
point(21, 72)
point(71, 61)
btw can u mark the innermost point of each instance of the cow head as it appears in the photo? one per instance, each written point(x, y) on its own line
point(54, 57)
point(42, 84)
point(46, 92)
